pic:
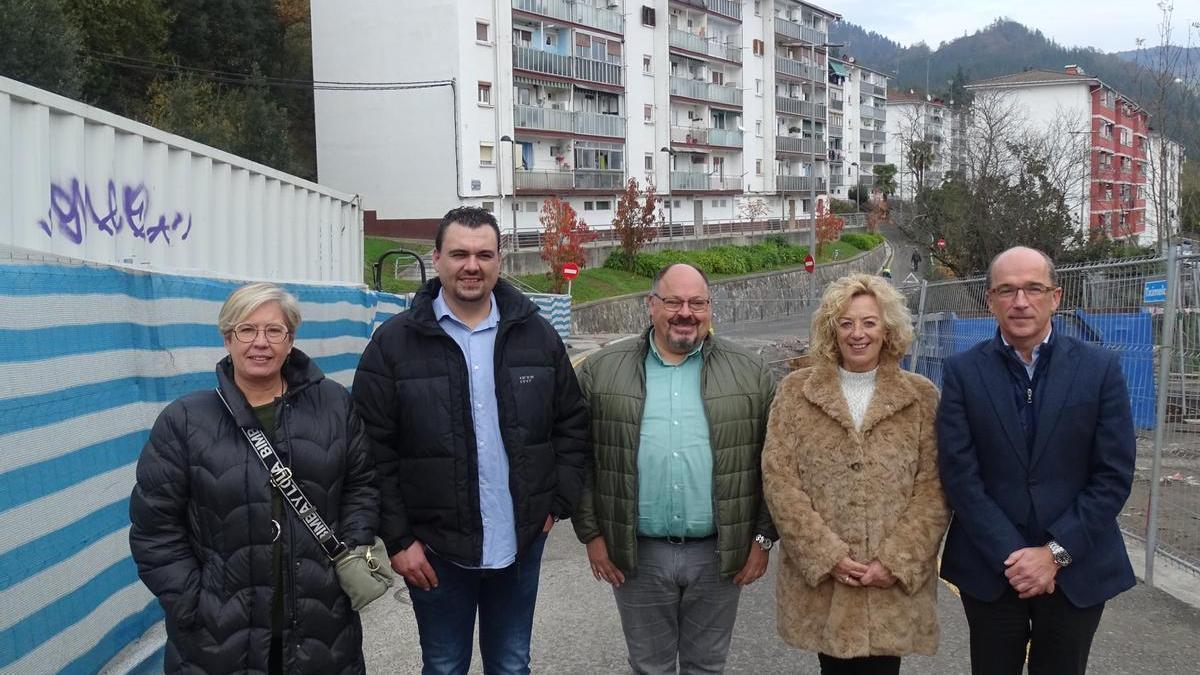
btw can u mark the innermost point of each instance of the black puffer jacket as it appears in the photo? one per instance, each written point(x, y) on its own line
point(201, 535)
point(413, 391)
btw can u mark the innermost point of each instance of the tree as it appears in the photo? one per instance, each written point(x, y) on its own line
point(636, 221)
point(563, 235)
point(40, 46)
point(885, 178)
point(920, 159)
point(753, 209)
point(117, 30)
point(829, 227)
point(878, 215)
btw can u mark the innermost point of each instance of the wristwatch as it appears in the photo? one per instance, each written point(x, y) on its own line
point(764, 542)
point(1061, 557)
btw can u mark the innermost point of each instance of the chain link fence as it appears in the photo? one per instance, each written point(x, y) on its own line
point(1148, 310)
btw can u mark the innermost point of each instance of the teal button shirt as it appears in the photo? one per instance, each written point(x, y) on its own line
point(675, 463)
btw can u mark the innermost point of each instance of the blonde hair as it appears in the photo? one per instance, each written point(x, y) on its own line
point(893, 311)
point(245, 300)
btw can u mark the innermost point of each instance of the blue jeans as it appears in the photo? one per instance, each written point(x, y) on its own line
point(504, 600)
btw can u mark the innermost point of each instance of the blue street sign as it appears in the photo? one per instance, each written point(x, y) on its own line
point(1155, 291)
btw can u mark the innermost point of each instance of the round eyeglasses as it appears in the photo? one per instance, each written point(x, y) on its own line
point(249, 333)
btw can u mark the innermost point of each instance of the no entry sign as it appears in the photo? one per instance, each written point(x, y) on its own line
point(570, 271)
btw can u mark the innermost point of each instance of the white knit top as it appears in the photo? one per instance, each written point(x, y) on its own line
point(858, 388)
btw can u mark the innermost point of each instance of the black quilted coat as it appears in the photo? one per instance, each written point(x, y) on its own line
point(201, 535)
point(414, 394)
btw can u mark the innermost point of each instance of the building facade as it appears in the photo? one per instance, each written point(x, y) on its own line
point(718, 103)
point(1115, 130)
point(857, 125)
point(925, 140)
point(1164, 167)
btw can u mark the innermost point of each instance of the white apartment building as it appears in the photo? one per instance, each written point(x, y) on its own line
point(1164, 166)
point(716, 101)
point(857, 125)
point(915, 118)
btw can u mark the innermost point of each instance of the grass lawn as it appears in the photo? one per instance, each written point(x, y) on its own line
point(595, 284)
point(373, 247)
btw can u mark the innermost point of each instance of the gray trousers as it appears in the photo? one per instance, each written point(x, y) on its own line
point(675, 608)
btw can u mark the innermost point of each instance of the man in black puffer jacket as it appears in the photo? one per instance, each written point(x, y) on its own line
point(480, 439)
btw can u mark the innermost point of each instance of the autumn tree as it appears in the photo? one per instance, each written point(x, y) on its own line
point(878, 215)
point(636, 221)
point(829, 226)
point(563, 235)
point(753, 209)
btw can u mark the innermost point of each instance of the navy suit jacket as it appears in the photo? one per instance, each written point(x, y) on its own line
point(1070, 488)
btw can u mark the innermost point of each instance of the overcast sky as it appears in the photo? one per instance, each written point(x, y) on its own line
point(1108, 25)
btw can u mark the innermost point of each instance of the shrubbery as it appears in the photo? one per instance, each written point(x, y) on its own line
point(772, 253)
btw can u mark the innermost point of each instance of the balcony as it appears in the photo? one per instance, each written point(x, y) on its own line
point(799, 184)
point(704, 182)
point(872, 136)
point(706, 136)
point(729, 8)
point(797, 32)
point(805, 146)
point(835, 180)
point(872, 157)
point(836, 103)
point(695, 43)
point(872, 89)
point(801, 69)
point(835, 132)
point(580, 179)
point(566, 121)
point(575, 12)
point(705, 91)
point(794, 106)
point(574, 67)
point(871, 112)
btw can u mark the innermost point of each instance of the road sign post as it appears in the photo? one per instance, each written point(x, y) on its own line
point(569, 272)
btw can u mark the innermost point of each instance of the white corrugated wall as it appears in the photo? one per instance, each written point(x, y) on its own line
point(79, 182)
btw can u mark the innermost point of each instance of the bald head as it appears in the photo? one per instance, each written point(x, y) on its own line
point(1022, 256)
point(678, 272)
point(679, 331)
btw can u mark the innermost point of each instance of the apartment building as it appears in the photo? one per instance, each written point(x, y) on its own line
point(716, 102)
point(924, 140)
point(1115, 130)
point(1164, 166)
point(857, 125)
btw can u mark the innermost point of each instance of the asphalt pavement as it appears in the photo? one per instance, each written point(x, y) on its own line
point(577, 631)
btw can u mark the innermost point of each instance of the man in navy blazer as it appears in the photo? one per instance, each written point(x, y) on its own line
point(1036, 454)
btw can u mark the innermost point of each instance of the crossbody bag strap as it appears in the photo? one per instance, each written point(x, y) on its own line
point(281, 477)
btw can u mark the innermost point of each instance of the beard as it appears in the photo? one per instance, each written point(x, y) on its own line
point(684, 345)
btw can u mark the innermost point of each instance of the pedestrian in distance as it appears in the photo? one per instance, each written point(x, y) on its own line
point(1036, 451)
point(480, 438)
point(850, 474)
point(672, 514)
point(916, 261)
point(244, 585)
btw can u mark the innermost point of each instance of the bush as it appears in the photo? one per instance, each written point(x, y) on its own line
point(840, 206)
point(863, 241)
point(770, 254)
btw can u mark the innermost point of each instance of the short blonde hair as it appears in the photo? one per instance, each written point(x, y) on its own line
point(893, 311)
point(245, 300)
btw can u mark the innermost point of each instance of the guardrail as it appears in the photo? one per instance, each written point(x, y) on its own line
point(702, 45)
point(706, 91)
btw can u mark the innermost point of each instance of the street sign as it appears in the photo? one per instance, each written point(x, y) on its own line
point(1154, 291)
point(570, 270)
point(809, 263)
point(941, 242)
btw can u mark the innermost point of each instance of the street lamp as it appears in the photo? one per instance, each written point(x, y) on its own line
point(857, 189)
point(670, 211)
point(512, 163)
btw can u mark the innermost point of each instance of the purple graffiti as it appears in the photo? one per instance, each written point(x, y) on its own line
point(72, 209)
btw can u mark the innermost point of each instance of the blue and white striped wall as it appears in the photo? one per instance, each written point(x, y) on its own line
point(89, 355)
point(556, 309)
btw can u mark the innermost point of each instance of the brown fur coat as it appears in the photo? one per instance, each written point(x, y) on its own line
point(870, 494)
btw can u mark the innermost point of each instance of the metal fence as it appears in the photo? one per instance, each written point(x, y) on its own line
point(1147, 310)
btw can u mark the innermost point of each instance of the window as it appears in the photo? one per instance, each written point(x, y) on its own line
point(758, 86)
point(724, 202)
point(758, 47)
point(647, 68)
point(482, 32)
point(522, 38)
point(589, 206)
point(485, 93)
point(551, 39)
point(486, 154)
point(676, 203)
point(531, 206)
point(758, 128)
point(1125, 137)
point(758, 167)
point(647, 16)
point(524, 95)
point(603, 205)
point(490, 207)
point(649, 161)
point(648, 113)
point(757, 7)
point(718, 77)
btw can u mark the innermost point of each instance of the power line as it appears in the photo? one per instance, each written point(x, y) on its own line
point(250, 79)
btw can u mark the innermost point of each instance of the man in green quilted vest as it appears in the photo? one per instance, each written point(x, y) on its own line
point(672, 512)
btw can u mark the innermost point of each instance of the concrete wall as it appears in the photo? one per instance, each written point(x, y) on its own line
point(770, 294)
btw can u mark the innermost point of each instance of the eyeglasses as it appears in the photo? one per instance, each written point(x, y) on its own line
point(246, 332)
point(675, 304)
point(1032, 291)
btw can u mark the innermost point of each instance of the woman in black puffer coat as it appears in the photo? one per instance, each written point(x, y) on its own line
point(245, 587)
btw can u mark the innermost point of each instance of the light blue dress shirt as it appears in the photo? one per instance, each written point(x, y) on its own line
point(495, 500)
point(675, 462)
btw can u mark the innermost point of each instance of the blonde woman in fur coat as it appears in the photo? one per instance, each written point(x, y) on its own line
point(850, 475)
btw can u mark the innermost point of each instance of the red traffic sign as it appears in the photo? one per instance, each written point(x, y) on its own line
point(809, 263)
point(570, 271)
point(941, 242)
